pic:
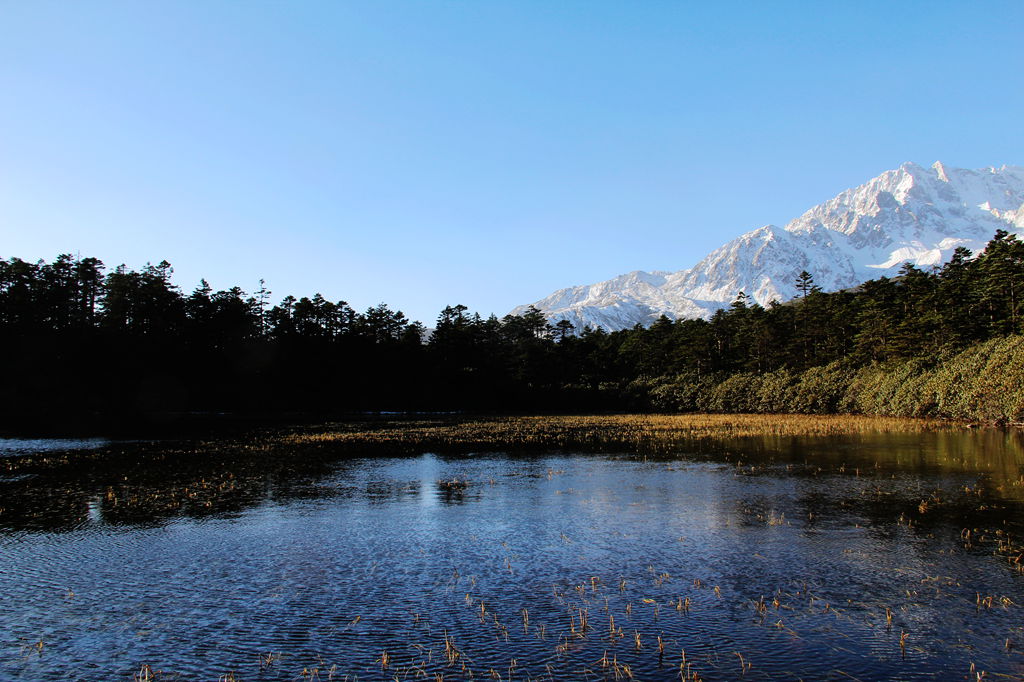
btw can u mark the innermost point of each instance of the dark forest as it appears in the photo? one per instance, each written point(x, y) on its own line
point(84, 345)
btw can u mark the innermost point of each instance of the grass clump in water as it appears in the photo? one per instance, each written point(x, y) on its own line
point(629, 430)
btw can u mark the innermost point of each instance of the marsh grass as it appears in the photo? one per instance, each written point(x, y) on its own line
point(629, 604)
point(640, 652)
point(644, 432)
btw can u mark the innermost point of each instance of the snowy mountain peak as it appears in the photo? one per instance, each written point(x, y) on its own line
point(913, 213)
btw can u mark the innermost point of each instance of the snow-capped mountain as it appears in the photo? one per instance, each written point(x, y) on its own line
point(913, 214)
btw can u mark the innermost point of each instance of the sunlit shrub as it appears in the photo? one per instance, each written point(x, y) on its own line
point(984, 382)
point(738, 393)
point(820, 390)
point(773, 391)
point(687, 392)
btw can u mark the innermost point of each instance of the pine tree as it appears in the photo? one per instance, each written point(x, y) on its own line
point(805, 284)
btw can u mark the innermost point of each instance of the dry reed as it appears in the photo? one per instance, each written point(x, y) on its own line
point(645, 431)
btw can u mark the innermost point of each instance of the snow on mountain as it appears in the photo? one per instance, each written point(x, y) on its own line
point(913, 214)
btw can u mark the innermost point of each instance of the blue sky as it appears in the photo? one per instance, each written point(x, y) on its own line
point(485, 153)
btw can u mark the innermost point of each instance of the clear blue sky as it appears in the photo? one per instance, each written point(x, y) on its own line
point(431, 153)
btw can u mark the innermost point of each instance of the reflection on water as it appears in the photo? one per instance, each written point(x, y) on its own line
point(12, 447)
point(877, 557)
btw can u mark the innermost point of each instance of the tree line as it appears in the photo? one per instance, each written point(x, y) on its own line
point(79, 341)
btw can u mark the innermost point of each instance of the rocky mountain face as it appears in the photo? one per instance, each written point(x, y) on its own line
point(913, 214)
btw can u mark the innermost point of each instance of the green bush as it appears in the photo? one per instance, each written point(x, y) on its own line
point(821, 390)
point(984, 382)
point(738, 393)
point(891, 389)
point(685, 392)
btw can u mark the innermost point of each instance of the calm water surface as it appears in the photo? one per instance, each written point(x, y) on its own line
point(14, 447)
point(780, 559)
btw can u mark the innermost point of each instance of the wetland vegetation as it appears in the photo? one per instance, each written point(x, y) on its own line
point(670, 548)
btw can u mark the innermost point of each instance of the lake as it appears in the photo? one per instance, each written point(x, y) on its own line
point(870, 557)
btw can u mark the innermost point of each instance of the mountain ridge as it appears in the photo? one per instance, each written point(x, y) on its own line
point(911, 213)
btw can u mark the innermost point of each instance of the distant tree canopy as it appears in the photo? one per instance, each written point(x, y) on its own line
point(79, 339)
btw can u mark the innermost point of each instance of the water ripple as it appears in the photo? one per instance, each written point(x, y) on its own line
point(545, 567)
